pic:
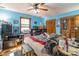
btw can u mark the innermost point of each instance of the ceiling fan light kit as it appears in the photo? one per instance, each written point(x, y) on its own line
point(36, 11)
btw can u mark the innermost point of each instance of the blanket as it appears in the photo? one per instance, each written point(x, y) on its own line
point(39, 41)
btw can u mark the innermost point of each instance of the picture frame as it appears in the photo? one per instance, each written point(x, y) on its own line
point(15, 29)
point(64, 22)
point(15, 21)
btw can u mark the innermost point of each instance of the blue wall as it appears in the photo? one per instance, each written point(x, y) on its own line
point(12, 15)
point(16, 16)
point(76, 12)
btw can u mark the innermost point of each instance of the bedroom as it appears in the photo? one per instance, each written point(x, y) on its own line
point(39, 29)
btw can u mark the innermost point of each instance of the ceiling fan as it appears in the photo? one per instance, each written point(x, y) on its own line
point(2, 7)
point(36, 7)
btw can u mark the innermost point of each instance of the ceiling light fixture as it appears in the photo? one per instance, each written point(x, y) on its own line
point(36, 11)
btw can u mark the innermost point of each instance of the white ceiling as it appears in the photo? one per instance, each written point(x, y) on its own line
point(53, 8)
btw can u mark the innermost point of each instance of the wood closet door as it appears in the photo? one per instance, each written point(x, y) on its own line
point(72, 26)
point(51, 26)
point(70, 31)
point(77, 25)
point(64, 23)
point(65, 26)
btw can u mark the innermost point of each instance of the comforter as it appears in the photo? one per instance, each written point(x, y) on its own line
point(40, 46)
point(36, 46)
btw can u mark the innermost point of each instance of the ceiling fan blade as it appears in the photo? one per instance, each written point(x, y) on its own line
point(43, 9)
point(42, 3)
point(2, 7)
point(30, 9)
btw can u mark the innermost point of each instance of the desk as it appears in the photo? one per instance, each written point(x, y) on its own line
point(70, 52)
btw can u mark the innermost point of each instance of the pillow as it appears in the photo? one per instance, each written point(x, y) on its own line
point(47, 39)
point(40, 37)
point(54, 39)
point(52, 35)
point(43, 36)
point(47, 35)
point(37, 37)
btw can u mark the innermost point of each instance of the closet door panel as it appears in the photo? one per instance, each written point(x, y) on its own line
point(51, 26)
point(69, 31)
point(48, 25)
point(77, 25)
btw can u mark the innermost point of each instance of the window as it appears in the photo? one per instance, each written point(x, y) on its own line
point(25, 24)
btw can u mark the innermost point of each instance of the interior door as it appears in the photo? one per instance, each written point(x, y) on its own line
point(51, 26)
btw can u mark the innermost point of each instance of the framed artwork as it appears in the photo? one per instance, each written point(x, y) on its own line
point(65, 23)
point(35, 22)
point(15, 21)
point(15, 29)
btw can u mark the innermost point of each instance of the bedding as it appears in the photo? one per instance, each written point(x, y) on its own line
point(38, 43)
point(41, 38)
point(36, 46)
point(46, 34)
point(51, 45)
point(53, 35)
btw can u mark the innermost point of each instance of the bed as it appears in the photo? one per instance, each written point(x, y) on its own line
point(36, 45)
